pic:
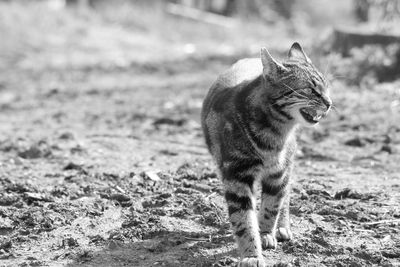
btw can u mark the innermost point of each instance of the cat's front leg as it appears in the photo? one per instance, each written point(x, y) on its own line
point(283, 231)
point(274, 191)
point(242, 215)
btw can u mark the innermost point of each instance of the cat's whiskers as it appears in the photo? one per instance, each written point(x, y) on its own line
point(334, 108)
point(287, 103)
point(290, 98)
point(294, 91)
point(299, 103)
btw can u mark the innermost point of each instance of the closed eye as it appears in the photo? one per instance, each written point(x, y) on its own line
point(311, 91)
point(308, 91)
point(316, 93)
point(314, 83)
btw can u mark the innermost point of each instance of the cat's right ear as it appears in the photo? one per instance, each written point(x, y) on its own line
point(296, 52)
point(271, 67)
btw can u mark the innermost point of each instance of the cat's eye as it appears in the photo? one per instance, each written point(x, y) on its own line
point(308, 91)
point(314, 83)
point(311, 91)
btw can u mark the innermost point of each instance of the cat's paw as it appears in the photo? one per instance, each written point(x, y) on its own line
point(283, 234)
point(268, 241)
point(252, 262)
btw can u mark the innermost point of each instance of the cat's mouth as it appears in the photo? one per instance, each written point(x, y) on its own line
point(310, 115)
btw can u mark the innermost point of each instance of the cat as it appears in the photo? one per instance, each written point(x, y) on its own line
point(249, 118)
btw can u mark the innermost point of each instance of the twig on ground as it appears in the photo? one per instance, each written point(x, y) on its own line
point(116, 187)
point(196, 239)
point(383, 222)
point(363, 230)
point(211, 195)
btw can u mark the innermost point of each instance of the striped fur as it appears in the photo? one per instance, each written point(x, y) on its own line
point(249, 119)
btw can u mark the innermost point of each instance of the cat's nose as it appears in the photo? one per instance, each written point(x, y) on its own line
point(328, 102)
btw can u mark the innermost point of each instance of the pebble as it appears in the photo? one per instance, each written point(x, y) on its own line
point(120, 197)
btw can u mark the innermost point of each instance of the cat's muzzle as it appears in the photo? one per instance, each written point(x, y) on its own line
point(312, 115)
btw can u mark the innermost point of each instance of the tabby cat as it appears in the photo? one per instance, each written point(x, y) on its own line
point(249, 119)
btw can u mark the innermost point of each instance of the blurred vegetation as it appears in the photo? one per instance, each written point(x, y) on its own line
point(366, 10)
point(90, 33)
point(366, 65)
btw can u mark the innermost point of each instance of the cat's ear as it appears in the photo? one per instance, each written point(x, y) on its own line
point(296, 52)
point(271, 67)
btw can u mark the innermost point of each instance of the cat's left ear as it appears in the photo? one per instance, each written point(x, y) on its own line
point(296, 52)
point(271, 67)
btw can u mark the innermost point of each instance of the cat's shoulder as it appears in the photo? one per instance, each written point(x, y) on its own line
point(244, 70)
point(238, 75)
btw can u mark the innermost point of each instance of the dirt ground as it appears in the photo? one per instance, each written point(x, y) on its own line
point(102, 159)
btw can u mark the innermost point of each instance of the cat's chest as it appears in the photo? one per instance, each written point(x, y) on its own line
point(276, 160)
point(271, 159)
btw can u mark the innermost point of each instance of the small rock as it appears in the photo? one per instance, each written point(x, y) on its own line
point(36, 263)
point(125, 203)
point(388, 148)
point(34, 237)
point(5, 255)
point(17, 161)
point(67, 136)
point(136, 206)
point(24, 232)
point(283, 264)
point(96, 239)
point(168, 152)
point(392, 253)
point(113, 245)
point(5, 244)
point(187, 191)
point(70, 242)
point(6, 225)
point(169, 121)
point(358, 142)
point(202, 187)
point(316, 219)
point(207, 175)
point(165, 195)
point(350, 193)
point(74, 166)
point(8, 199)
point(319, 192)
point(84, 256)
point(386, 238)
point(37, 197)
point(154, 203)
point(33, 152)
point(152, 176)
point(120, 197)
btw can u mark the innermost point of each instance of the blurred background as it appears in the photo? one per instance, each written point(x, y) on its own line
point(63, 33)
point(102, 159)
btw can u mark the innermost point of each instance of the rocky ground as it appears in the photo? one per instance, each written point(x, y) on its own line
point(104, 164)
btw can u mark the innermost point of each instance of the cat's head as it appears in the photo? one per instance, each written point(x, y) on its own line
point(296, 86)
